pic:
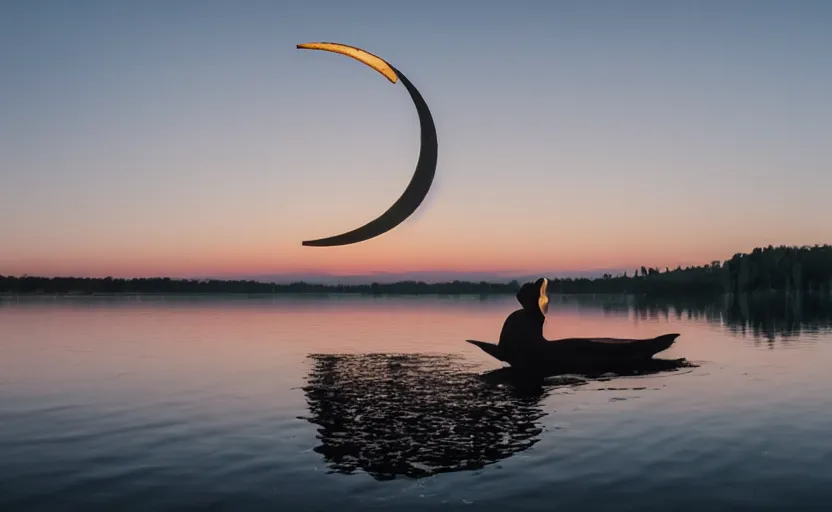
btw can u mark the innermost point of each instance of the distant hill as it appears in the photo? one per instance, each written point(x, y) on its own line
point(786, 269)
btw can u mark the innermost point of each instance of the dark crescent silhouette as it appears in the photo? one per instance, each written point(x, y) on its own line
point(416, 190)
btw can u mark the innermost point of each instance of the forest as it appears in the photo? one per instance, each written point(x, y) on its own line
point(788, 269)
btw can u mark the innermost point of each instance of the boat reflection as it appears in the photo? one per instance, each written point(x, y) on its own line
point(416, 415)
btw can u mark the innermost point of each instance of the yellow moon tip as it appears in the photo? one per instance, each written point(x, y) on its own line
point(358, 54)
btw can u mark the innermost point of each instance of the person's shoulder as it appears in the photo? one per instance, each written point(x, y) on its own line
point(518, 312)
point(516, 315)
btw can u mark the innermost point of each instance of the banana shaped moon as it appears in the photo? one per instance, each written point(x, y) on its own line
point(422, 179)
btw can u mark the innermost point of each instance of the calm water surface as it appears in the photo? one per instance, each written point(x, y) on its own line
point(378, 403)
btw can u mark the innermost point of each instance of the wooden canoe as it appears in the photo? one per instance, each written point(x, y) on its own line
point(584, 354)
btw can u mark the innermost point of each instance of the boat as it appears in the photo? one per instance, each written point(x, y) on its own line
point(580, 355)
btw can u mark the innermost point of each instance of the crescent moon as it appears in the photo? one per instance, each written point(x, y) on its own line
point(422, 179)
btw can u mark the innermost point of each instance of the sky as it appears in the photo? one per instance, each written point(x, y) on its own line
point(192, 138)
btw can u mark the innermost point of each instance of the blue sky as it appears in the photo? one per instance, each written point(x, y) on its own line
point(147, 138)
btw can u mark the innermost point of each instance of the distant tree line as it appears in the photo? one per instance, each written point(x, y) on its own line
point(166, 285)
point(785, 269)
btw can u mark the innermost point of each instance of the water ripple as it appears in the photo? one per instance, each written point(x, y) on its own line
point(420, 415)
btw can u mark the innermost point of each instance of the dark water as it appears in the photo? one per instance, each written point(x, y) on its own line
point(369, 403)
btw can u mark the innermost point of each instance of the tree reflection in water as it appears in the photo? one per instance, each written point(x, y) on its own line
point(419, 415)
point(763, 316)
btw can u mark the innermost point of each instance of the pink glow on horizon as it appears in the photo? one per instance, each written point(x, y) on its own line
point(229, 267)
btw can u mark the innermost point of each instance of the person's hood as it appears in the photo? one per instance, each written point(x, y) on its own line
point(533, 297)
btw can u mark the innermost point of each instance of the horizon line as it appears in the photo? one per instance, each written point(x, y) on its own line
point(412, 275)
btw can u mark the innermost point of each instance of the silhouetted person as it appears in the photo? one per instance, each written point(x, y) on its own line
point(522, 334)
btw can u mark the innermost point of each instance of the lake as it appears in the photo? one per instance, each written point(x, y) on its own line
point(312, 403)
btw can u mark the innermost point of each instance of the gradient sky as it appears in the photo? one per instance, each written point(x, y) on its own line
point(193, 138)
